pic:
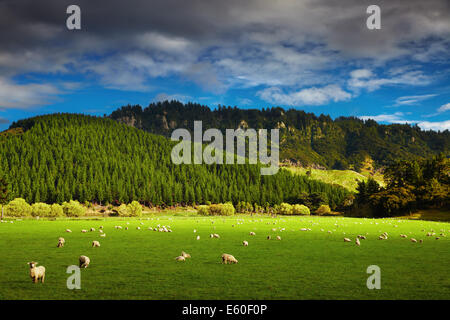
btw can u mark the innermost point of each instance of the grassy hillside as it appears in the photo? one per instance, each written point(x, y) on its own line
point(346, 178)
point(302, 265)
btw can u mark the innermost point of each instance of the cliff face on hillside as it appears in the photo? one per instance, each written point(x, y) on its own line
point(305, 139)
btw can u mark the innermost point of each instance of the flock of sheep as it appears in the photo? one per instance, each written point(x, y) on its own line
point(38, 273)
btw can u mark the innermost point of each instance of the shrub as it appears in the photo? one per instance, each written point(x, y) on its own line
point(134, 209)
point(18, 208)
point(323, 209)
point(227, 209)
point(73, 209)
point(203, 210)
point(121, 211)
point(40, 210)
point(300, 209)
point(56, 210)
point(285, 208)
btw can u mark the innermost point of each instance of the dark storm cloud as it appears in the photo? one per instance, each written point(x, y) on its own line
point(219, 44)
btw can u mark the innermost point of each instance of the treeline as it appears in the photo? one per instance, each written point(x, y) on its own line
point(410, 185)
point(305, 138)
point(63, 157)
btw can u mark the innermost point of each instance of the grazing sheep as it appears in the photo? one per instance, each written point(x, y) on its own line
point(278, 238)
point(347, 240)
point(357, 242)
point(211, 235)
point(101, 227)
point(362, 237)
point(198, 237)
point(68, 230)
point(103, 235)
point(403, 236)
point(195, 231)
point(92, 229)
point(185, 255)
point(252, 233)
point(215, 235)
point(228, 258)
point(421, 241)
point(36, 273)
point(245, 243)
point(60, 244)
point(101, 231)
point(95, 244)
point(138, 228)
point(84, 261)
point(180, 258)
point(268, 237)
point(413, 240)
point(61, 239)
point(83, 231)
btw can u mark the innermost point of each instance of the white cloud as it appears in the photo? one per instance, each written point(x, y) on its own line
point(309, 96)
point(365, 79)
point(444, 108)
point(408, 100)
point(25, 96)
point(398, 118)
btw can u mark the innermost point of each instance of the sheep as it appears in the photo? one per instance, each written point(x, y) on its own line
point(211, 235)
point(278, 238)
point(36, 273)
point(215, 235)
point(60, 244)
point(101, 231)
point(180, 258)
point(245, 243)
point(195, 231)
point(61, 239)
point(268, 237)
point(95, 244)
point(83, 231)
point(138, 228)
point(347, 240)
point(362, 237)
point(103, 235)
point(228, 258)
point(252, 233)
point(403, 236)
point(357, 242)
point(68, 230)
point(413, 240)
point(198, 238)
point(84, 261)
point(185, 255)
point(92, 229)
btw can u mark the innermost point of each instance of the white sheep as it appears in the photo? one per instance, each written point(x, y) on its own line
point(347, 240)
point(245, 243)
point(83, 231)
point(180, 258)
point(198, 237)
point(215, 235)
point(268, 237)
point(185, 255)
point(357, 242)
point(68, 230)
point(36, 273)
point(95, 244)
point(228, 258)
point(84, 261)
point(252, 233)
point(413, 240)
point(92, 229)
point(103, 235)
point(278, 238)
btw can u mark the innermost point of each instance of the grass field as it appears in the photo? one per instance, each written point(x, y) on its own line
point(139, 264)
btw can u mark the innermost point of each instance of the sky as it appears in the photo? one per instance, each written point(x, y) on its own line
point(314, 55)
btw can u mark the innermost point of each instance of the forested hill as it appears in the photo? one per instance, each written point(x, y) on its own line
point(56, 158)
point(306, 139)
